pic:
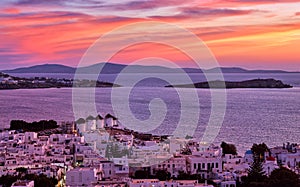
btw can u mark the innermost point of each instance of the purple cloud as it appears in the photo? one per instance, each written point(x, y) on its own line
point(200, 11)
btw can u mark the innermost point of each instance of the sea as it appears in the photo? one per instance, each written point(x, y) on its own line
point(251, 116)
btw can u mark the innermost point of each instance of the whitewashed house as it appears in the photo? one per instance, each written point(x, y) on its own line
point(248, 157)
point(174, 166)
point(99, 122)
point(110, 121)
point(30, 136)
point(270, 165)
point(80, 177)
point(204, 165)
point(90, 123)
point(108, 169)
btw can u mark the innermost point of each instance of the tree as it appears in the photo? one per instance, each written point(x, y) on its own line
point(256, 175)
point(141, 174)
point(188, 137)
point(42, 180)
point(39, 180)
point(116, 152)
point(21, 171)
point(34, 126)
point(284, 177)
point(256, 171)
point(162, 175)
point(228, 148)
point(259, 151)
point(183, 176)
point(7, 180)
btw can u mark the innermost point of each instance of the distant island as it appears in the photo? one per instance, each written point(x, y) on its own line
point(114, 68)
point(11, 82)
point(254, 83)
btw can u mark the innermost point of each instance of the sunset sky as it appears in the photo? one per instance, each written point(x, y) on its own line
point(253, 34)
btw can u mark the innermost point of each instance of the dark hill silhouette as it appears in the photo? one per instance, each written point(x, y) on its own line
point(112, 68)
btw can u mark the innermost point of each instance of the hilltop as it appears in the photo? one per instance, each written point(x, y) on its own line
point(113, 68)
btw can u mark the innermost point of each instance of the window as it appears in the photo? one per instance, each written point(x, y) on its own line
point(203, 165)
point(195, 166)
point(212, 165)
point(217, 165)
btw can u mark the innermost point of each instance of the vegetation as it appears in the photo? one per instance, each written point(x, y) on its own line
point(188, 137)
point(34, 126)
point(281, 177)
point(21, 171)
point(142, 174)
point(259, 151)
point(39, 180)
point(162, 175)
point(114, 150)
point(228, 148)
point(256, 176)
point(284, 177)
point(186, 176)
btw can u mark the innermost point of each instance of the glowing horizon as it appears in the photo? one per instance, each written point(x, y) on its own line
point(250, 34)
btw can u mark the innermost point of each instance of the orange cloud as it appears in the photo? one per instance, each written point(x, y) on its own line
point(11, 10)
point(56, 36)
point(238, 3)
point(32, 34)
point(149, 50)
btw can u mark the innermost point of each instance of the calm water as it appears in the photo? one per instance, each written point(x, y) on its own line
point(252, 115)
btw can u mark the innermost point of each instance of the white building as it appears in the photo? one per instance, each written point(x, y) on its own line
point(80, 177)
point(30, 136)
point(99, 122)
point(173, 165)
point(90, 123)
point(204, 165)
point(171, 183)
point(248, 157)
point(270, 165)
point(144, 182)
point(232, 159)
point(108, 169)
point(228, 184)
point(110, 121)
